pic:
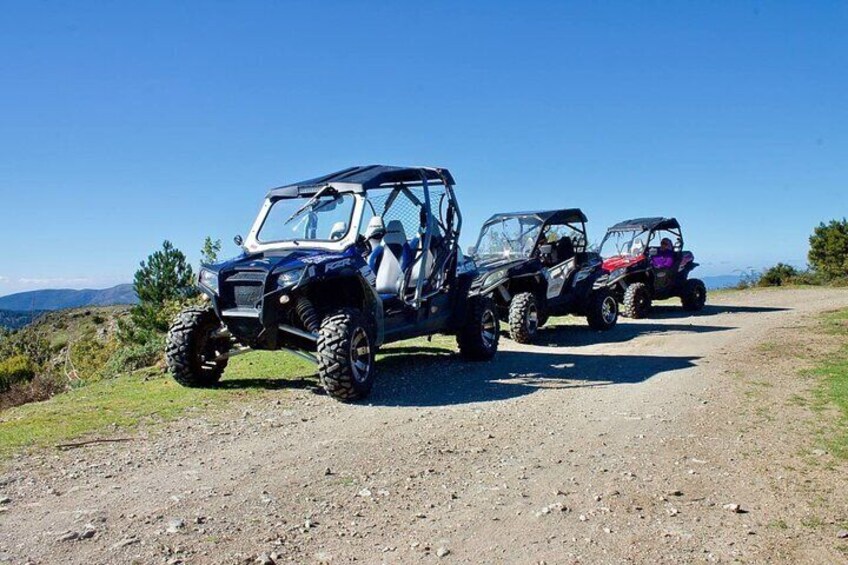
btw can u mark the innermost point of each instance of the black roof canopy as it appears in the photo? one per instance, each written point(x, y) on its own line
point(568, 215)
point(657, 223)
point(357, 179)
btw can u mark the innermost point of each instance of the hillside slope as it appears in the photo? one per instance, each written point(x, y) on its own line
point(59, 299)
point(13, 320)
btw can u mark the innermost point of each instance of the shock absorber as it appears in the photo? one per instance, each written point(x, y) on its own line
point(307, 314)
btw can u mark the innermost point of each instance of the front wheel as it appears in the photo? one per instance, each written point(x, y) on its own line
point(346, 355)
point(193, 348)
point(694, 295)
point(523, 317)
point(637, 301)
point(602, 312)
point(478, 337)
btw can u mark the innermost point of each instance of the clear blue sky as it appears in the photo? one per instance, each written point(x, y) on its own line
point(123, 124)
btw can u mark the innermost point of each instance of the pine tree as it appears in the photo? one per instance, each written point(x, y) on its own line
point(165, 277)
point(829, 249)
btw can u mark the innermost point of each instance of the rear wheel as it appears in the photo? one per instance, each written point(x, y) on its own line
point(193, 347)
point(602, 313)
point(478, 338)
point(523, 317)
point(694, 295)
point(346, 355)
point(637, 301)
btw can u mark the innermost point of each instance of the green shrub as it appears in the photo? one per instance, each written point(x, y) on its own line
point(812, 278)
point(779, 275)
point(90, 355)
point(15, 369)
point(133, 356)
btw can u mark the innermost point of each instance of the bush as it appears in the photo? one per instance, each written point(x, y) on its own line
point(89, 356)
point(41, 387)
point(34, 347)
point(135, 356)
point(16, 369)
point(779, 275)
point(153, 324)
point(811, 278)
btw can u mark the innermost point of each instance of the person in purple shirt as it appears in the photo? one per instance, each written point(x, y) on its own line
point(665, 256)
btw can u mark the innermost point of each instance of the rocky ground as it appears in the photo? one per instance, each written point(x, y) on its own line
point(679, 438)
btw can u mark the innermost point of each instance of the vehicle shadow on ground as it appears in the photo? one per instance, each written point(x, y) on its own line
point(668, 311)
point(579, 335)
point(407, 377)
point(269, 383)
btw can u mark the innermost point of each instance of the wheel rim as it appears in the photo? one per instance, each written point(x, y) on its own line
point(488, 328)
point(360, 355)
point(207, 350)
point(532, 321)
point(608, 310)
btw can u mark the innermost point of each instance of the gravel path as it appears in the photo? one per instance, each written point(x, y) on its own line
point(650, 443)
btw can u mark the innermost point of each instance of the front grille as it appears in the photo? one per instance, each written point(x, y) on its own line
point(247, 276)
point(246, 296)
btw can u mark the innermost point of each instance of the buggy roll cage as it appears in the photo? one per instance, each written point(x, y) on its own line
point(650, 225)
point(358, 181)
point(573, 218)
point(450, 239)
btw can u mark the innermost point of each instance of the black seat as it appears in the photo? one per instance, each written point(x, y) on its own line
point(563, 250)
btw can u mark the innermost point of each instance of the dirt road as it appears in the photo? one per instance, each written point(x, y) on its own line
point(619, 447)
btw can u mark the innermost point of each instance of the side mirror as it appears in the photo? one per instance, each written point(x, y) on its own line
point(238, 240)
point(472, 250)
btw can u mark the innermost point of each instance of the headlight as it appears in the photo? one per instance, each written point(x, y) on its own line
point(493, 278)
point(617, 273)
point(209, 279)
point(289, 278)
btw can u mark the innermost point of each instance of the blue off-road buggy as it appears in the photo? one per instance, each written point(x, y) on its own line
point(333, 268)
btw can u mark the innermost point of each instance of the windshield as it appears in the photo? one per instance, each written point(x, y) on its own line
point(508, 238)
point(629, 243)
point(326, 218)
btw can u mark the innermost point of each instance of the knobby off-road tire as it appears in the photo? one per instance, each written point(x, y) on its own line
point(523, 317)
point(637, 301)
point(694, 295)
point(346, 355)
point(602, 310)
point(478, 338)
point(191, 348)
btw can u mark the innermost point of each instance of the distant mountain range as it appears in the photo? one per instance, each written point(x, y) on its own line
point(59, 299)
